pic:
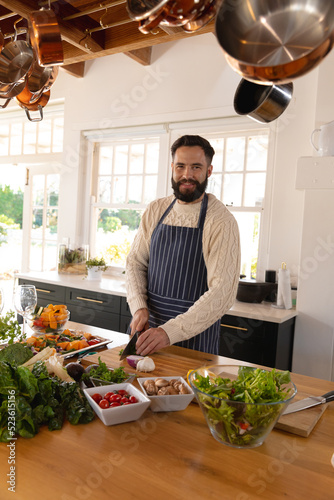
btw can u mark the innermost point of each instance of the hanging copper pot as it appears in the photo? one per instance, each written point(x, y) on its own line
point(45, 37)
point(37, 105)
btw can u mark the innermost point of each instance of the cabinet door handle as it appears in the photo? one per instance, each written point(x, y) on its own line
point(41, 290)
point(90, 300)
point(235, 327)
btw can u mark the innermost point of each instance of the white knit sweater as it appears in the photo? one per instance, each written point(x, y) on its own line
point(221, 251)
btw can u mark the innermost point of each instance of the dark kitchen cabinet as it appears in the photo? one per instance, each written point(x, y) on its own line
point(256, 341)
point(103, 310)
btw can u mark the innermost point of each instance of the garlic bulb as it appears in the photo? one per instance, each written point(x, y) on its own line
point(145, 365)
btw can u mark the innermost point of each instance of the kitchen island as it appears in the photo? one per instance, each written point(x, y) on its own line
point(172, 455)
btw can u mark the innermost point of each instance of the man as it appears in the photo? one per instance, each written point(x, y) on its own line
point(183, 268)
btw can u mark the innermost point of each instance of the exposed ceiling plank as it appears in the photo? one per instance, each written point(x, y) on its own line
point(77, 70)
point(142, 56)
point(69, 32)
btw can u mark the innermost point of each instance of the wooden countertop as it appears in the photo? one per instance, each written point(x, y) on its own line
point(172, 456)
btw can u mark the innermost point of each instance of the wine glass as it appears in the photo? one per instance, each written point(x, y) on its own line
point(25, 301)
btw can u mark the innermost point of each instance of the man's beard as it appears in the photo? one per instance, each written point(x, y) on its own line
point(189, 197)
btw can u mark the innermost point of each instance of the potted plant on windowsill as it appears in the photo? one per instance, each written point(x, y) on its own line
point(95, 267)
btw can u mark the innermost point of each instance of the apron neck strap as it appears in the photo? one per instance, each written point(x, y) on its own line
point(201, 217)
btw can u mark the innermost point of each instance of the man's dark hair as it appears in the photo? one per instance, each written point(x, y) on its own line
point(194, 140)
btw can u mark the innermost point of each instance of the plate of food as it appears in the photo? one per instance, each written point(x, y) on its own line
point(67, 343)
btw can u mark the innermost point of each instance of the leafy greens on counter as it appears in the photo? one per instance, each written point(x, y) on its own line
point(39, 400)
point(10, 330)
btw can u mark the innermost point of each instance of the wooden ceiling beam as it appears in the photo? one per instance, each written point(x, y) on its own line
point(77, 70)
point(142, 56)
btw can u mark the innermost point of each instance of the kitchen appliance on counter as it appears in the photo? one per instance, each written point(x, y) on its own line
point(250, 290)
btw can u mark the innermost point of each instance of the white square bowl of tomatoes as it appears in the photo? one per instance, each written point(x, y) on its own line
point(117, 403)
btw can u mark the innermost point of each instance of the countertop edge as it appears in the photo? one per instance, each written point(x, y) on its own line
point(115, 285)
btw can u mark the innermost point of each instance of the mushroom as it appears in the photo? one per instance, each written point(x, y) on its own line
point(183, 389)
point(161, 382)
point(151, 389)
point(171, 390)
point(163, 391)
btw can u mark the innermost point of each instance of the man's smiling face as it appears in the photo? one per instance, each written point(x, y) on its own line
point(190, 172)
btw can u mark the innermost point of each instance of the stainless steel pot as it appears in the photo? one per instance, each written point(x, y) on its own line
point(262, 103)
point(15, 60)
point(275, 41)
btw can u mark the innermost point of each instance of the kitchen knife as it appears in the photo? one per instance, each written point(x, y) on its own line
point(309, 402)
point(130, 348)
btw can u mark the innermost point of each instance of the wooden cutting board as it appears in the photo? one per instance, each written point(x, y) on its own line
point(301, 422)
point(169, 363)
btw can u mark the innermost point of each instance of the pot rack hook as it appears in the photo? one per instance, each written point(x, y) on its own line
point(87, 37)
point(104, 26)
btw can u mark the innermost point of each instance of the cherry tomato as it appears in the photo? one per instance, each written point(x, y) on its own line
point(115, 403)
point(97, 398)
point(122, 392)
point(124, 400)
point(115, 398)
point(108, 395)
point(93, 341)
point(104, 403)
point(133, 399)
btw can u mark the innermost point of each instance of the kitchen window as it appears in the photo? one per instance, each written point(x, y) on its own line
point(30, 164)
point(132, 169)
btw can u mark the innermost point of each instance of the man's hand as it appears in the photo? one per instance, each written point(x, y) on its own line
point(151, 341)
point(139, 321)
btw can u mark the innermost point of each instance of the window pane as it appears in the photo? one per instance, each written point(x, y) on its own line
point(235, 153)
point(121, 159)
point(135, 188)
point(151, 182)
point(119, 189)
point(38, 190)
point(152, 158)
point(44, 136)
point(217, 162)
point(116, 231)
point(51, 223)
point(249, 228)
point(36, 255)
point(58, 135)
point(50, 256)
point(105, 161)
point(254, 189)
point(4, 139)
point(37, 223)
point(104, 189)
point(16, 139)
point(215, 185)
point(257, 153)
point(233, 189)
point(137, 159)
point(52, 190)
point(29, 138)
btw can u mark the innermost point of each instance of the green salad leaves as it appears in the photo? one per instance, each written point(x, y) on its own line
point(243, 411)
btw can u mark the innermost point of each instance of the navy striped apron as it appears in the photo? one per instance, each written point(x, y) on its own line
point(177, 277)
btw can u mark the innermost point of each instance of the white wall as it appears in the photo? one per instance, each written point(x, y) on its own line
point(189, 80)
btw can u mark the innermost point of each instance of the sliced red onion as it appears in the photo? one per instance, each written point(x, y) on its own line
point(133, 360)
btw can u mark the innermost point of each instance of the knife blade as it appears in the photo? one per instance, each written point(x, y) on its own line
point(309, 402)
point(130, 348)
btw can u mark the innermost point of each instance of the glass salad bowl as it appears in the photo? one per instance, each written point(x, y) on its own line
point(241, 404)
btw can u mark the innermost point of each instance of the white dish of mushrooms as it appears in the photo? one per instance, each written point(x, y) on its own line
point(167, 393)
